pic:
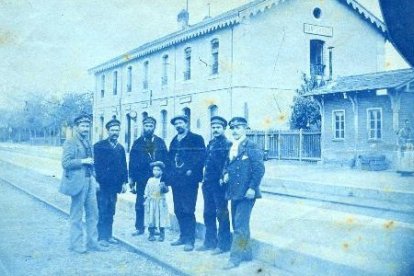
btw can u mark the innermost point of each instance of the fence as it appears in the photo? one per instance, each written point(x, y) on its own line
point(291, 145)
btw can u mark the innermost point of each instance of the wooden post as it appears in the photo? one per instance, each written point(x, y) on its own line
point(300, 144)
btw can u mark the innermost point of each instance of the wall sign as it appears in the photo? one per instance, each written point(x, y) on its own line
point(317, 30)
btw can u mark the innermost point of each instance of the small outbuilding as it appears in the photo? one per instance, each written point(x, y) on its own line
point(362, 114)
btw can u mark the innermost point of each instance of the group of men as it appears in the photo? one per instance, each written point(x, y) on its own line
point(227, 170)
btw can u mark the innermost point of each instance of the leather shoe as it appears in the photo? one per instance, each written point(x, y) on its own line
point(205, 248)
point(97, 247)
point(103, 243)
point(79, 250)
point(177, 242)
point(230, 265)
point(218, 251)
point(113, 241)
point(138, 232)
point(151, 238)
point(189, 247)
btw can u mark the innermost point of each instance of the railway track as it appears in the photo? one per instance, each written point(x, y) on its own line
point(127, 245)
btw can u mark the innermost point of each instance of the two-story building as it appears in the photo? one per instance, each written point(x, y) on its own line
point(245, 62)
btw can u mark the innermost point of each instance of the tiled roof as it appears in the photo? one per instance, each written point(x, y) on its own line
point(372, 81)
point(224, 20)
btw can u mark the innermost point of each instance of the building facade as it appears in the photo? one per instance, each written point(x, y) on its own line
point(245, 62)
point(362, 114)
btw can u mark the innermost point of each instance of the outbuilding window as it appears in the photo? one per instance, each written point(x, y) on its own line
point(338, 124)
point(374, 122)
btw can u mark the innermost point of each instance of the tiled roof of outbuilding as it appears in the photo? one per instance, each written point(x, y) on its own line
point(372, 81)
point(224, 20)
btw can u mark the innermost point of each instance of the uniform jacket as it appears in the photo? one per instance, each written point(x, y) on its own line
point(140, 158)
point(110, 166)
point(217, 153)
point(245, 171)
point(74, 173)
point(191, 152)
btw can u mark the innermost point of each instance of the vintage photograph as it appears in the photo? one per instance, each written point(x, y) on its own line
point(207, 137)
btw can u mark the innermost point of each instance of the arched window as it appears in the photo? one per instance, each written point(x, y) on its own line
point(213, 110)
point(101, 128)
point(164, 124)
point(246, 111)
point(164, 78)
point(144, 115)
point(187, 63)
point(187, 112)
point(129, 79)
point(214, 56)
point(146, 75)
point(102, 85)
point(115, 83)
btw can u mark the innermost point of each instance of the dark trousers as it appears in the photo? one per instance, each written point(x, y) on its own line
point(106, 207)
point(215, 209)
point(241, 249)
point(185, 198)
point(139, 206)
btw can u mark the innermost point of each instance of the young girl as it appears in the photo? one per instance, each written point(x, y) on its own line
point(156, 208)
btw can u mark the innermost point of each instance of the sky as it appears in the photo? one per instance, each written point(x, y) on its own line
point(47, 46)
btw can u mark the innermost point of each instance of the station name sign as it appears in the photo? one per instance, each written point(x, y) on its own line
point(318, 30)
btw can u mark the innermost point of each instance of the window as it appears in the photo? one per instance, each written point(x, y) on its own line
point(214, 56)
point(246, 111)
point(164, 124)
point(101, 132)
point(338, 124)
point(164, 78)
point(213, 110)
point(187, 56)
point(115, 83)
point(317, 67)
point(129, 79)
point(144, 115)
point(374, 121)
point(146, 69)
point(102, 86)
point(187, 112)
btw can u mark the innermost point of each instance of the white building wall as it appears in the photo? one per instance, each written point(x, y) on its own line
point(260, 65)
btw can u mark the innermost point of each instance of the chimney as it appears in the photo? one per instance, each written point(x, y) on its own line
point(182, 19)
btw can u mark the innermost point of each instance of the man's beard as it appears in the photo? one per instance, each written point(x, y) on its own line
point(180, 130)
point(114, 137)
point(148, 134)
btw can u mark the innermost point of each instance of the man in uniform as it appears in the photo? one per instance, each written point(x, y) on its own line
point(243, 174)
point(186, 155)
point(78, 183)
point(146, 149)
point(112, 176)
point(215, 203)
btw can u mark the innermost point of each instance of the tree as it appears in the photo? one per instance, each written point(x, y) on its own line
point(305, 111)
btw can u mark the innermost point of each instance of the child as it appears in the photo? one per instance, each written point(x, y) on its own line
point(156, 208)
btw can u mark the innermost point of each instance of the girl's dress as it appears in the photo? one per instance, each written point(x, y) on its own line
point(156, 208)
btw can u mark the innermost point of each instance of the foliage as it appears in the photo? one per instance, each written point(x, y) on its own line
point(305, 110)
point(40, 113)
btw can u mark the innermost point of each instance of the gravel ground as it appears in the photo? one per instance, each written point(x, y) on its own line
point(33, 241)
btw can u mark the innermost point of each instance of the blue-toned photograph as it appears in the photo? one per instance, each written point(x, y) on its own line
point(207, 137)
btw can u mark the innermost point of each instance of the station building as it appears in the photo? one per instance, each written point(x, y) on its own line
point(245, 62)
